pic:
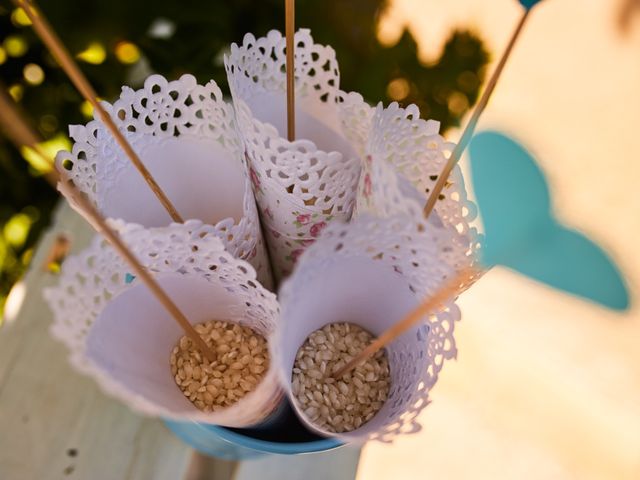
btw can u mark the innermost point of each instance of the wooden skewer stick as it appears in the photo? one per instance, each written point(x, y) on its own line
point(100, 225)
point(432, 303)
point(70, 67)
point(22, 134)
point(289, 6)
point(473, 121)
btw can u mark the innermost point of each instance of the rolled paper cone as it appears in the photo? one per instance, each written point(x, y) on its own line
point(245, 248)
point(372, 272)
point(284, 252)
point(404, 157)
point(288, 236)
point(384, 192)
point(387, 194)
point(185, 135)
point(316, 174)
point(416, 152)
point(131, 341)
point(119, 334)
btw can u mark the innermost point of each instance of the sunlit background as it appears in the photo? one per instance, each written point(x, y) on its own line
point(545, 386)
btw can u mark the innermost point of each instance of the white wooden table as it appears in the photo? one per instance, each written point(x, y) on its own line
point(57, 424)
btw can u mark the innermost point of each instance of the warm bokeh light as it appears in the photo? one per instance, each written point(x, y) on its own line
point(49, 148)
point(127, 52)
point(14, 302)
point(3, 55)
point(457, 103)
point(87, 109)
point(95, 54)
point(33, 74)
point(16, 229)
point(16, 91)
point(398, 89)
point(19, 18)
point(15, 46)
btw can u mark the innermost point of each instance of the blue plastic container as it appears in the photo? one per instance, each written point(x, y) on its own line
point(288, 437)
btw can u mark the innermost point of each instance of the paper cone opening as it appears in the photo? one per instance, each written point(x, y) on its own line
point(271, 107)
point(200, 177)
point(364, 292)
point(132, 338)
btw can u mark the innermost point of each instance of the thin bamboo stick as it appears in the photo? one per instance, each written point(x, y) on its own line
point(21, 134)
point(291, 88)
point(449, 290)
point(473, 121)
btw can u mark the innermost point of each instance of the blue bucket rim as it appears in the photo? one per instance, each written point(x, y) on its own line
point(267, 446)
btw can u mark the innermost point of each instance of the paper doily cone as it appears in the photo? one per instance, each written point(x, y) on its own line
point(120, 335)
point(185, 135)
point(403, 144)
point(316, 174)
point(372, 272)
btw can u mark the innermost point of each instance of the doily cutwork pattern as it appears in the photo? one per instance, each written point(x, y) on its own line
point(297, 178)
point(405, 154)
point(160, 112)
point(95, 276)
point(319, 180)
point(415, 149)
point(161, 109)
point(421, 255)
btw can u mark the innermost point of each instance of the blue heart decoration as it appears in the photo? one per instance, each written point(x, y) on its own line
point(521, 232)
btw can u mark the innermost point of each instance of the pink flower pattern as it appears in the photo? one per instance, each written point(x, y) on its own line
point(255, 179)
point(367, 186)
point(303, 219)
point(296, 254)
point(293, 242)
point(317, 228)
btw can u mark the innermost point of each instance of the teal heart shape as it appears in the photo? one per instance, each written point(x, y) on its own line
point(521, 232)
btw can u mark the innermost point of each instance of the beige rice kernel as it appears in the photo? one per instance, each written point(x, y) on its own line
point(344, 404)
point(236, 371)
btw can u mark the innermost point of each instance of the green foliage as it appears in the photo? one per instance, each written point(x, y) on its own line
point(199, 33)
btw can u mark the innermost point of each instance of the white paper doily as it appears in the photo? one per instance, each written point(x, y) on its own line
point(106, 317)
point(316, 174)
point(372, 272)
point(185, 134)
point(405, 155)
point(413, 148)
